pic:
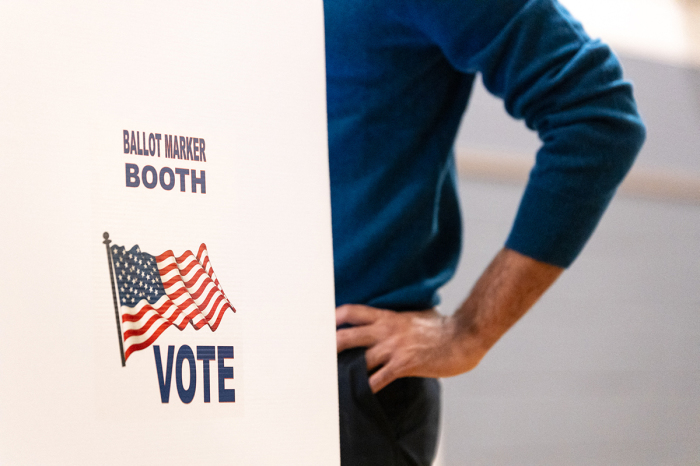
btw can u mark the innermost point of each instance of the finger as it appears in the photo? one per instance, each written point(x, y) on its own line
point(354, 337)
point(382, 378)
point(355, 314)
point(376, 356)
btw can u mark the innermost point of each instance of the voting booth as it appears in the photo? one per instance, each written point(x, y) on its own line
point(167, 274)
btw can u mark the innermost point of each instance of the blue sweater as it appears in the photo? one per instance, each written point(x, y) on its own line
point(399, 76)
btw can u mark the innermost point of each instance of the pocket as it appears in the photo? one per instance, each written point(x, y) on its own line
point(364, 396)
point(366, 438)
point(412, 407)
point(403, 407)
point(397, 426)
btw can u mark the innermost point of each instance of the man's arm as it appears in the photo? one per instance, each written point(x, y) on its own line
point(570, 89)
point(427, 344)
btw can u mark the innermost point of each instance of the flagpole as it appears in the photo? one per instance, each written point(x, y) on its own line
point(114, 296)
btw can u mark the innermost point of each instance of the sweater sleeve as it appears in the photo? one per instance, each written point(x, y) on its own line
point(569, 89)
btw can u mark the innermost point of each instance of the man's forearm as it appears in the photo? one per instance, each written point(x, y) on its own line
point(426, 344)
point(509, 286)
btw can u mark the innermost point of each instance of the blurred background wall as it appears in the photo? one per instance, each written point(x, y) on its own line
point(605, 369)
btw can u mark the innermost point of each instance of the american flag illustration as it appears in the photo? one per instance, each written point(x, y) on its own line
point(155, 292)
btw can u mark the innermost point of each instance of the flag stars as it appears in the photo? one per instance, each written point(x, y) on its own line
point(137, 275)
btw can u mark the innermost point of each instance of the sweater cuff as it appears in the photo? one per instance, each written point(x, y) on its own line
point(552, 227)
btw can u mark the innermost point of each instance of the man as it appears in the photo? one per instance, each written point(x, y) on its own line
point(399, 75)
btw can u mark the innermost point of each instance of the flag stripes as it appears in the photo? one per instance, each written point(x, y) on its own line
point(188, 292)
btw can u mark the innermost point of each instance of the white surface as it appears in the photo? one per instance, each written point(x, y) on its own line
point(244, 76)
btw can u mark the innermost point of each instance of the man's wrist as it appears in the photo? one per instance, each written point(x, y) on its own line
point(509, 286)
point(467, 341)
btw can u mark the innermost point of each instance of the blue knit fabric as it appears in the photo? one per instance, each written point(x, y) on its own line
point(399, 76)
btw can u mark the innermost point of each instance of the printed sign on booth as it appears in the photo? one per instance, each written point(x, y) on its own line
point(167, 272)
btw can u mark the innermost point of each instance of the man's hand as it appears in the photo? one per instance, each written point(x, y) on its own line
point(404, 344)
point(426, 344)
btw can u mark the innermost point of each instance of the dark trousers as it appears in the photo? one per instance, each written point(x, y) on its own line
point(396, 427)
